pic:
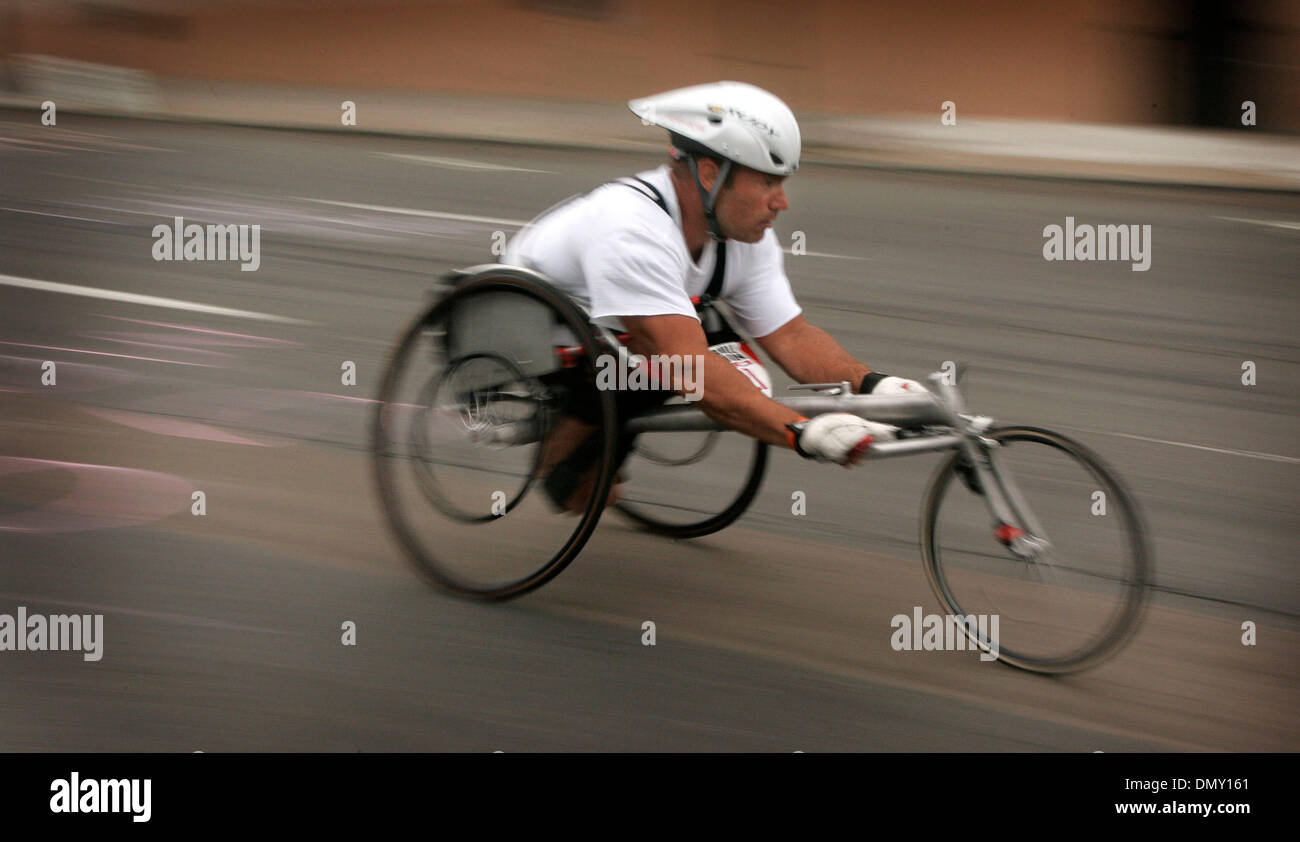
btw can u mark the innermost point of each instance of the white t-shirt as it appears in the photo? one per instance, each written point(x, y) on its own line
point(619, 254)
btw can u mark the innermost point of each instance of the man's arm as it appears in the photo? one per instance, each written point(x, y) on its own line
point(729, 397)
point(809, 354)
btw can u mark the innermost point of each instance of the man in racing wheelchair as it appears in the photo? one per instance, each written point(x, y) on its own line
point(648, 256)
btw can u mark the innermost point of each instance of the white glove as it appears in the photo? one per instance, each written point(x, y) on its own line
point(838, 437)
point(898, 386)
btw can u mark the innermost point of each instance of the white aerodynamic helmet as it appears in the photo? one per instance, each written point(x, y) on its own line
point(733, 120)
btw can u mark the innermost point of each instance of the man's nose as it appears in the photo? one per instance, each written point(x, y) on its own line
point(779, 200)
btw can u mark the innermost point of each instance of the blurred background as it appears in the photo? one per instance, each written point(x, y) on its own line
point(225, 630)
point(1170, 62)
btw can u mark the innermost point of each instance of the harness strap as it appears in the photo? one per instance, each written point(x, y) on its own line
point(657, 197)
point(719, 266)
point(719, 269)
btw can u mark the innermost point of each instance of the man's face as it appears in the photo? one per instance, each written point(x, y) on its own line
point(748, 207)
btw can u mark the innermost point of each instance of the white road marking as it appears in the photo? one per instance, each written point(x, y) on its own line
point(102, 354)
point(105, 144)
point(346, 397)
point(457, 163)
point(1251, 454)
point(88, 178)
point(193, 329)
point(110, 208)
point(135, 612)
point(48, 147)
point(100, 336)
point(146, 300)
point(1271, 223)
point(301, 219)
point(825, 254)
point(64, 216)
point(463, 217)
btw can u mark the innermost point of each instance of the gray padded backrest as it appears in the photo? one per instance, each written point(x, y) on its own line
point(513, 325)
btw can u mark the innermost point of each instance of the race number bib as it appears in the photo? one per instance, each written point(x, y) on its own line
point(746, 362)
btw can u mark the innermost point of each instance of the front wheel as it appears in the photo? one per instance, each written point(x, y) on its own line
point(1061, 610)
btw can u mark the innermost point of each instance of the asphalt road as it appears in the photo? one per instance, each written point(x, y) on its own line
point(223, 632)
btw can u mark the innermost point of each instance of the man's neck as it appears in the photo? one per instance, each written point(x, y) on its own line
point(695, 228)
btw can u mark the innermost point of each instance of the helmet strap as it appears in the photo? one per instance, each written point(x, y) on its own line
point(709, 198)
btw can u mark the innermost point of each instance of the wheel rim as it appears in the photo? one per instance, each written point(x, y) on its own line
point(1062, 613)
point(460, 545)
point(651, 494)
point(477, 418)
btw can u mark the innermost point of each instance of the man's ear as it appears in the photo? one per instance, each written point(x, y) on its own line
point(708, 169)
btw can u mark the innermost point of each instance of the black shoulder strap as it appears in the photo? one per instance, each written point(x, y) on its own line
point(719, 265)
point(719, 269)
point(657, 197)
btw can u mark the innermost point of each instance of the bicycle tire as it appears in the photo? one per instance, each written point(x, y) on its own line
point(492, 279)
point(737, 507)
point(1124, 621)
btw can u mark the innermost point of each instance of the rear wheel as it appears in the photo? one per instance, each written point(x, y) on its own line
point(683, 484)
point(466, 415)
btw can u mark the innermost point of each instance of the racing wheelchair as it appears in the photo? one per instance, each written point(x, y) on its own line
point(478, 383)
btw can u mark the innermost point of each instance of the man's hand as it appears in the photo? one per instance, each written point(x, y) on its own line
point(838, 437)
point(887, 384)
